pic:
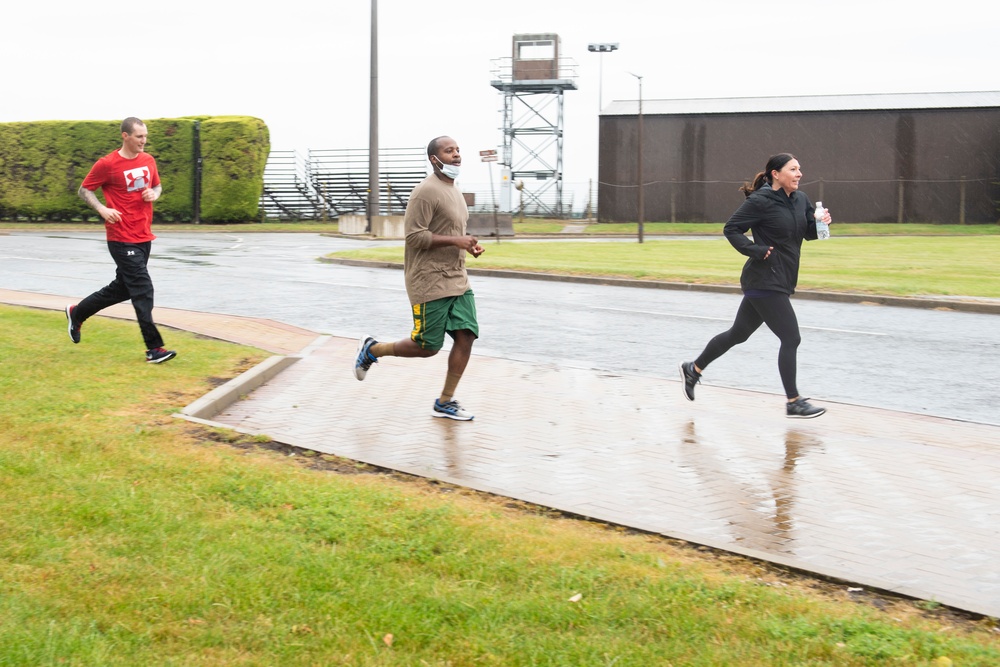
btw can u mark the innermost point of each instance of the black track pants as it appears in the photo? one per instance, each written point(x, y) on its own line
point(131, 281)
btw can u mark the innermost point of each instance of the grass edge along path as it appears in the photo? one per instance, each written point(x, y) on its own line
point(895, 266)
point(863, 258)
point(129, 537)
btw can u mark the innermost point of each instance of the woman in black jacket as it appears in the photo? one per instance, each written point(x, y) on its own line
point(779, 217)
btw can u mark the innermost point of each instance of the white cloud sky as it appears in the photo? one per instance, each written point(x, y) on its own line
point(303, 65)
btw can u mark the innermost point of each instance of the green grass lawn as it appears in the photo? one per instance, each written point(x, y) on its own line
point(715, 228)
point(129, 537)
point(903, 266)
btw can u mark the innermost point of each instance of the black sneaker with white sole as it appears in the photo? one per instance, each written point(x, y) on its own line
point(71, 326)
point(801, 408)
point(690, 376)
point(158, 355)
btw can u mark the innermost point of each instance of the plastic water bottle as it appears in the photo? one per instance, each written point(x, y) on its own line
point(822, 229)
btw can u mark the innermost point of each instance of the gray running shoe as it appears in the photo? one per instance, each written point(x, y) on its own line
point(802, 409)
point(451, 410)
point(690, 376)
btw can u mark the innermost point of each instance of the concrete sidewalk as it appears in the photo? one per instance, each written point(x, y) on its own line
point(889, 500)
point(264, 334)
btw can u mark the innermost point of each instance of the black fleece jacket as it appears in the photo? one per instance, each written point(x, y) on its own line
point(776, 221)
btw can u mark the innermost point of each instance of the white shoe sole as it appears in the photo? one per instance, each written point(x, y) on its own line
point(435, 413)
point(818, 414)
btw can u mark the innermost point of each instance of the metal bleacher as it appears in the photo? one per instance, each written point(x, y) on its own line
point(341, 177)
point(287, 193)
point(333, 182)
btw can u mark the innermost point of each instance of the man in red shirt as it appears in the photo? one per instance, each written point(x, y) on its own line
point(130, 183)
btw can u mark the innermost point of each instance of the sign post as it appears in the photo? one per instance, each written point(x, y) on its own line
point(491, 157)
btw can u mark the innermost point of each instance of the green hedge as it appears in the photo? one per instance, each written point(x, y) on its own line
point(42, 165)
point(171, 142)
point(234, 151)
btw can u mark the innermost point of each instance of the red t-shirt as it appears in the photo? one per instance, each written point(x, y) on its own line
point(122, 182)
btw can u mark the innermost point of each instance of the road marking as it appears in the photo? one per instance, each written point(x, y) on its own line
point(362, 286)
point(729, 319)
point(56, 260)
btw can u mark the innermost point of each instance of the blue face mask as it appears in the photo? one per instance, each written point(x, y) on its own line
point(449, 170)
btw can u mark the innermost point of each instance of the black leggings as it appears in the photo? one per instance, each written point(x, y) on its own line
point(776, 312)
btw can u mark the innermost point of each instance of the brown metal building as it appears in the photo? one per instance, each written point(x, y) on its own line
point(919, 157)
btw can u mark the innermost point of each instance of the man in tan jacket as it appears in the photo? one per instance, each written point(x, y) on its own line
point(437, 283)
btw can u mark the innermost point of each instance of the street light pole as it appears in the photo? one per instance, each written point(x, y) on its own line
point(602, 48)
point(639, 165)
point(372, 207)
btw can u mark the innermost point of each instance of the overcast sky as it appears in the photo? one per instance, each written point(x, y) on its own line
point(303, 65)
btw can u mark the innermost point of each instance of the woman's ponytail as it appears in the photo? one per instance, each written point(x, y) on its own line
point(758, 182)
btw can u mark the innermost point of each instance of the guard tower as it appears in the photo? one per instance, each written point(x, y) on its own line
point(532, 82)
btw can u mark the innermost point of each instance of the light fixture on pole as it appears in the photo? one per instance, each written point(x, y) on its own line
point(602, 48)
point(372, 206)
point(639, 159)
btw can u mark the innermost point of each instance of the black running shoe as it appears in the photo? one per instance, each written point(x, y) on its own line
point(801, 408)
point(690, 376)
point(71, 325)
point(159, 355)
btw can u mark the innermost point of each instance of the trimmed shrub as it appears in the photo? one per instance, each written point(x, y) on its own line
point(42, 166)
point(171, 142)
point(234, 151)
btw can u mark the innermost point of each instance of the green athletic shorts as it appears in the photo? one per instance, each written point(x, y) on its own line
point(433, 319)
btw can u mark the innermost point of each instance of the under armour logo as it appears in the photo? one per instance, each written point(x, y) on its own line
point(136, 179)
point(130, 252)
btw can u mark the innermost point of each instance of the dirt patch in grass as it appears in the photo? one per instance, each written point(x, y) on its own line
point(299, 456)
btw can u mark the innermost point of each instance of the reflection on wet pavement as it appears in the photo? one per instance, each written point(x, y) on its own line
point(757, 506)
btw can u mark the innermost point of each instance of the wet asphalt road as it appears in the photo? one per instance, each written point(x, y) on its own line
point(932, 362)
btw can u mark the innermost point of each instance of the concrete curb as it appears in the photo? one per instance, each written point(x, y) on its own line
point(225, 395)
point(991, 307)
